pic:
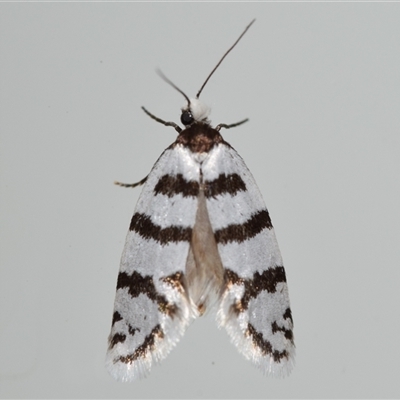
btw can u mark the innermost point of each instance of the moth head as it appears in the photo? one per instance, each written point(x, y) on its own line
point(195, 111)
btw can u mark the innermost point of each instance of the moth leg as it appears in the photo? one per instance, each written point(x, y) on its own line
point(219, 126)
point(131, 185)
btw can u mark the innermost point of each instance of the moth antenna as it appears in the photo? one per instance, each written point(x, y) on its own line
point(222, 59)
point(159, 72)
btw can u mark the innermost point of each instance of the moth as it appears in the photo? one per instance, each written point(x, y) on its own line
point(200, 239)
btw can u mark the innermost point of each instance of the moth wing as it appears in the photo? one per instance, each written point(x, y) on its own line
point(254, 307)
point(152, 309)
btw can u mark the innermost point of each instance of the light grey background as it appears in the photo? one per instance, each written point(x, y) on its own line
point(320, 84)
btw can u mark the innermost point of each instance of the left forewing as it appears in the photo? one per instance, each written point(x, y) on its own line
point(255, 307)
point(152, 308)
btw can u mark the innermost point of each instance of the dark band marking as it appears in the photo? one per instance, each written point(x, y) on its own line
point(268, 281)
point(264, 345)
point(148, 344)
point(288, 315)
point(121, 337)
point(116, 317)
point(115, 339)
point(143, 225)
point(132, 330)
point(170, 186)
point(138, 284)
point(241, 232)
point(253, 287)
point(230, 184)
point(287, 332)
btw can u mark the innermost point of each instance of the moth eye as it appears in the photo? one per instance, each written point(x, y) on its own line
point(187, 117)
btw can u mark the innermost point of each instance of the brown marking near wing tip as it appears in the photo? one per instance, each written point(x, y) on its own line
point(143, 225)
point(169, 309)
point(241, 232)
point(147, 345)
point(264, 345)
point(177, 281)
point(232, 278)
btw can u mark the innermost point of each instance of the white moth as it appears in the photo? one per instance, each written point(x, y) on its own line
point(200, 238)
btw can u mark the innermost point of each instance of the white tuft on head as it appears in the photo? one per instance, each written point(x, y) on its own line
point(199, 110)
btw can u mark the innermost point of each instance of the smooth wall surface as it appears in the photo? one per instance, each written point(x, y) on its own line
point(320, 84)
